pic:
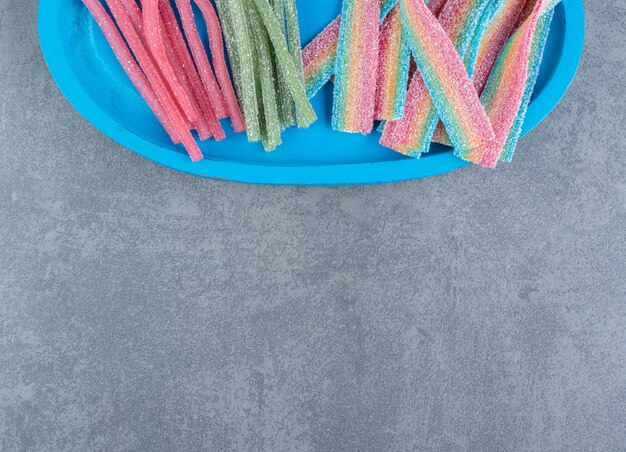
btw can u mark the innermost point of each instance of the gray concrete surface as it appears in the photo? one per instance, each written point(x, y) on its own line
point(141, 309)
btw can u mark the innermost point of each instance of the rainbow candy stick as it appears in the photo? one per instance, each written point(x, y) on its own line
point(480, 63)
point(320, 54)
point(319, 57)
point(536, 55)
point(505, 89)
point(356, 67)
point(439, 65)
point(393, 68)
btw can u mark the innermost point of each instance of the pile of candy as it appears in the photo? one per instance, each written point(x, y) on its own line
point(457, 72)
point(475, 64)
point(188, 91)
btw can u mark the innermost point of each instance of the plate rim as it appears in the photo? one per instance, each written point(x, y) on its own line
point(317, 175)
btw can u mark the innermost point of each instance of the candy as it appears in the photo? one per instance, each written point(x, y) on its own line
point(320, 54)
point(242, 53)
point(446, 79)
point(480, 63)
point(285, 102)
point(126, 59)
point(179, 123)
point(536, 55)
point(176, 40)
point(270, 132)
point(393, 68)
point(152, 32)
point(459, 19)
point(304, 111)
point(216, 45)
point(319, 57)
point(505, 89)
point(356, 67)
point(200, 57)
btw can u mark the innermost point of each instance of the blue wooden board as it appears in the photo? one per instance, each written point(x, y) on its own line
point(88, 74)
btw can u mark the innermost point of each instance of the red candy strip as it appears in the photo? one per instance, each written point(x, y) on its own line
point(201, 59)
point(137, 77)
point(152, 33)
point(216, 44)
point(178, 125)
point(176, 37)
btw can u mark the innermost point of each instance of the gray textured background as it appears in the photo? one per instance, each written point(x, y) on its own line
point(141, 309)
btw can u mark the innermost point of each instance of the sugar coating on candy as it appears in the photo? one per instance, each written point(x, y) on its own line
point(319, 57)
point(293, 36)
point(243, 49)
point(461, 20)
point(172, 109)
point(285, 102)
point(200, 57)
point(178, 42)
point(126, 59)
point(152, 31)
point(534, 62)
point(304, 111)
point(393, 68)
point(356, 67)
point(216, 45)
point(505, 89)
point(386, 6)
point(270, 132)
point(200, 124)
point(446, 79)
point(498, 31)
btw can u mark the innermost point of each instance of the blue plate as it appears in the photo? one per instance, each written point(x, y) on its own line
point(87, 72)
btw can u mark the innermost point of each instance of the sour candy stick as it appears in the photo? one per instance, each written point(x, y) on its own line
point(304, 111)
point(293, 36)
point(216, 43)
point(356, 67)
point(271, 127)
point(460, 19)
point(152, 32)
point(386, 6)
point(200, 124)
point(243, 52)
point(393, 68)
point(169, 104)
point(176, 37)
point(136, 76)
point(505, 89)
point(446, 79)
point(498, 32)
point(536, 55)
point(201, 59)
point(286, 106)
point(319, 57)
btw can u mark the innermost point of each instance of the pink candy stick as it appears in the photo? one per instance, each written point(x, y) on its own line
point(216, 43)
point(201, 124)
point(152, 33)
point(201, 59)
point(504, 102)
point(159, 86)
point(176, 37)
point(137, 77)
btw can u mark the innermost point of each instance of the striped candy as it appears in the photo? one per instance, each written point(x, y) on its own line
point(393, 68)
point(505, 89)
point(356, 67)
point(460, 19)
point(446, 79)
